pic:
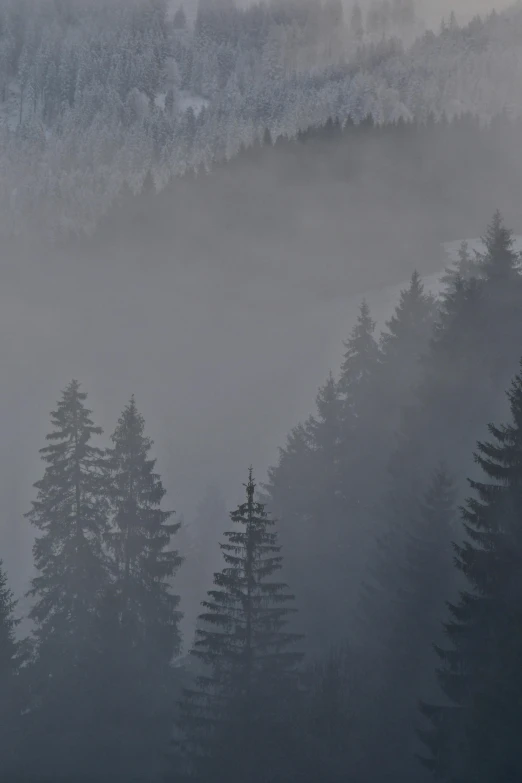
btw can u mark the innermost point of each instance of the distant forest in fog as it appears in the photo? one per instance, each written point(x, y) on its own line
point(261, 453)
point(95, 96)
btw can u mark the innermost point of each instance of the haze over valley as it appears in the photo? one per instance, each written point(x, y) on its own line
point(260, 309)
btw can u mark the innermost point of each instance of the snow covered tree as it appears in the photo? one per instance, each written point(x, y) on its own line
point(474, 732)
point(236, 721)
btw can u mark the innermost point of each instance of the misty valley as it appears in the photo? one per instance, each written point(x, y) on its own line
point(261, 457)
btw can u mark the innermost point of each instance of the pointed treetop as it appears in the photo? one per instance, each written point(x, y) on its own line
point(500, 261)
point(362, 333)
point(251, 486)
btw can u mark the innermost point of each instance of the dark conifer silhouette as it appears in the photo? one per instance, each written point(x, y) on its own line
point(11, 703)
point(71, 514)
point(141, 540)
point(241, 701)
point(139, 619)
point(475, 730)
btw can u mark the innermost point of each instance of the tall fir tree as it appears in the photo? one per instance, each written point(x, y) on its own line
point(474, 733)
point(466, 266)
point(406, 339)
point(307, 492)
point(360, 360)
point(408, 581)
point(11, 703)
point(71, 515)
point(499, 261)
point(139, 632)
point(500, 269)
point(141, 540)
point(358, 390)
point(236, 721)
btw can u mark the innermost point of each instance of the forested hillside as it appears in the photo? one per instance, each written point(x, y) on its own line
point(331, 582)
point(95, 96)
point(209, 218)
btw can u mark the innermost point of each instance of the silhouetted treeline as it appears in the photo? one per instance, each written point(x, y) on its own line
point(359, 627)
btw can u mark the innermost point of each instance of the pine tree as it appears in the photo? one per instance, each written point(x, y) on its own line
point(235, 720)
point(502, 333)
point(363, 456)
point(402, 345)
point(360, 361)
point(179, 21)
point(9, 647)
point(474, 734)
point(10, 658)
point(335, 692)
point(401, 602)
point(499, 261)
point(307, 492)
point(465, 267)
point(141, 538)
point(140, 607)
point(359, 392)
point(71, 515)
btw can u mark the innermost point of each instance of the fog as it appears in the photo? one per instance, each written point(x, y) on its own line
point(221, 299)
point(222, 305)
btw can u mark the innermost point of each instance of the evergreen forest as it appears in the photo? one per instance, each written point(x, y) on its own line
point(359, 610)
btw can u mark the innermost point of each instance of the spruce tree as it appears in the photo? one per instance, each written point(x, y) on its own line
point(499, 261)
point(500, 268)
point(307, 492)
point(361, 357)
point(475, 732)
point(10, 696)
point(9, 646)
point(141, 539)
point(359, 394)
point(140, 635)
point(71, 514)
point(405, 341)
point(465, 267)
point(335, 692)
point(235, 721)
point(410, 577)
point(71, 517)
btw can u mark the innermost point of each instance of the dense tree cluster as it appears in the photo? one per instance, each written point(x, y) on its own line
point(367, 492)
point(403, 633)
point(95, 97)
